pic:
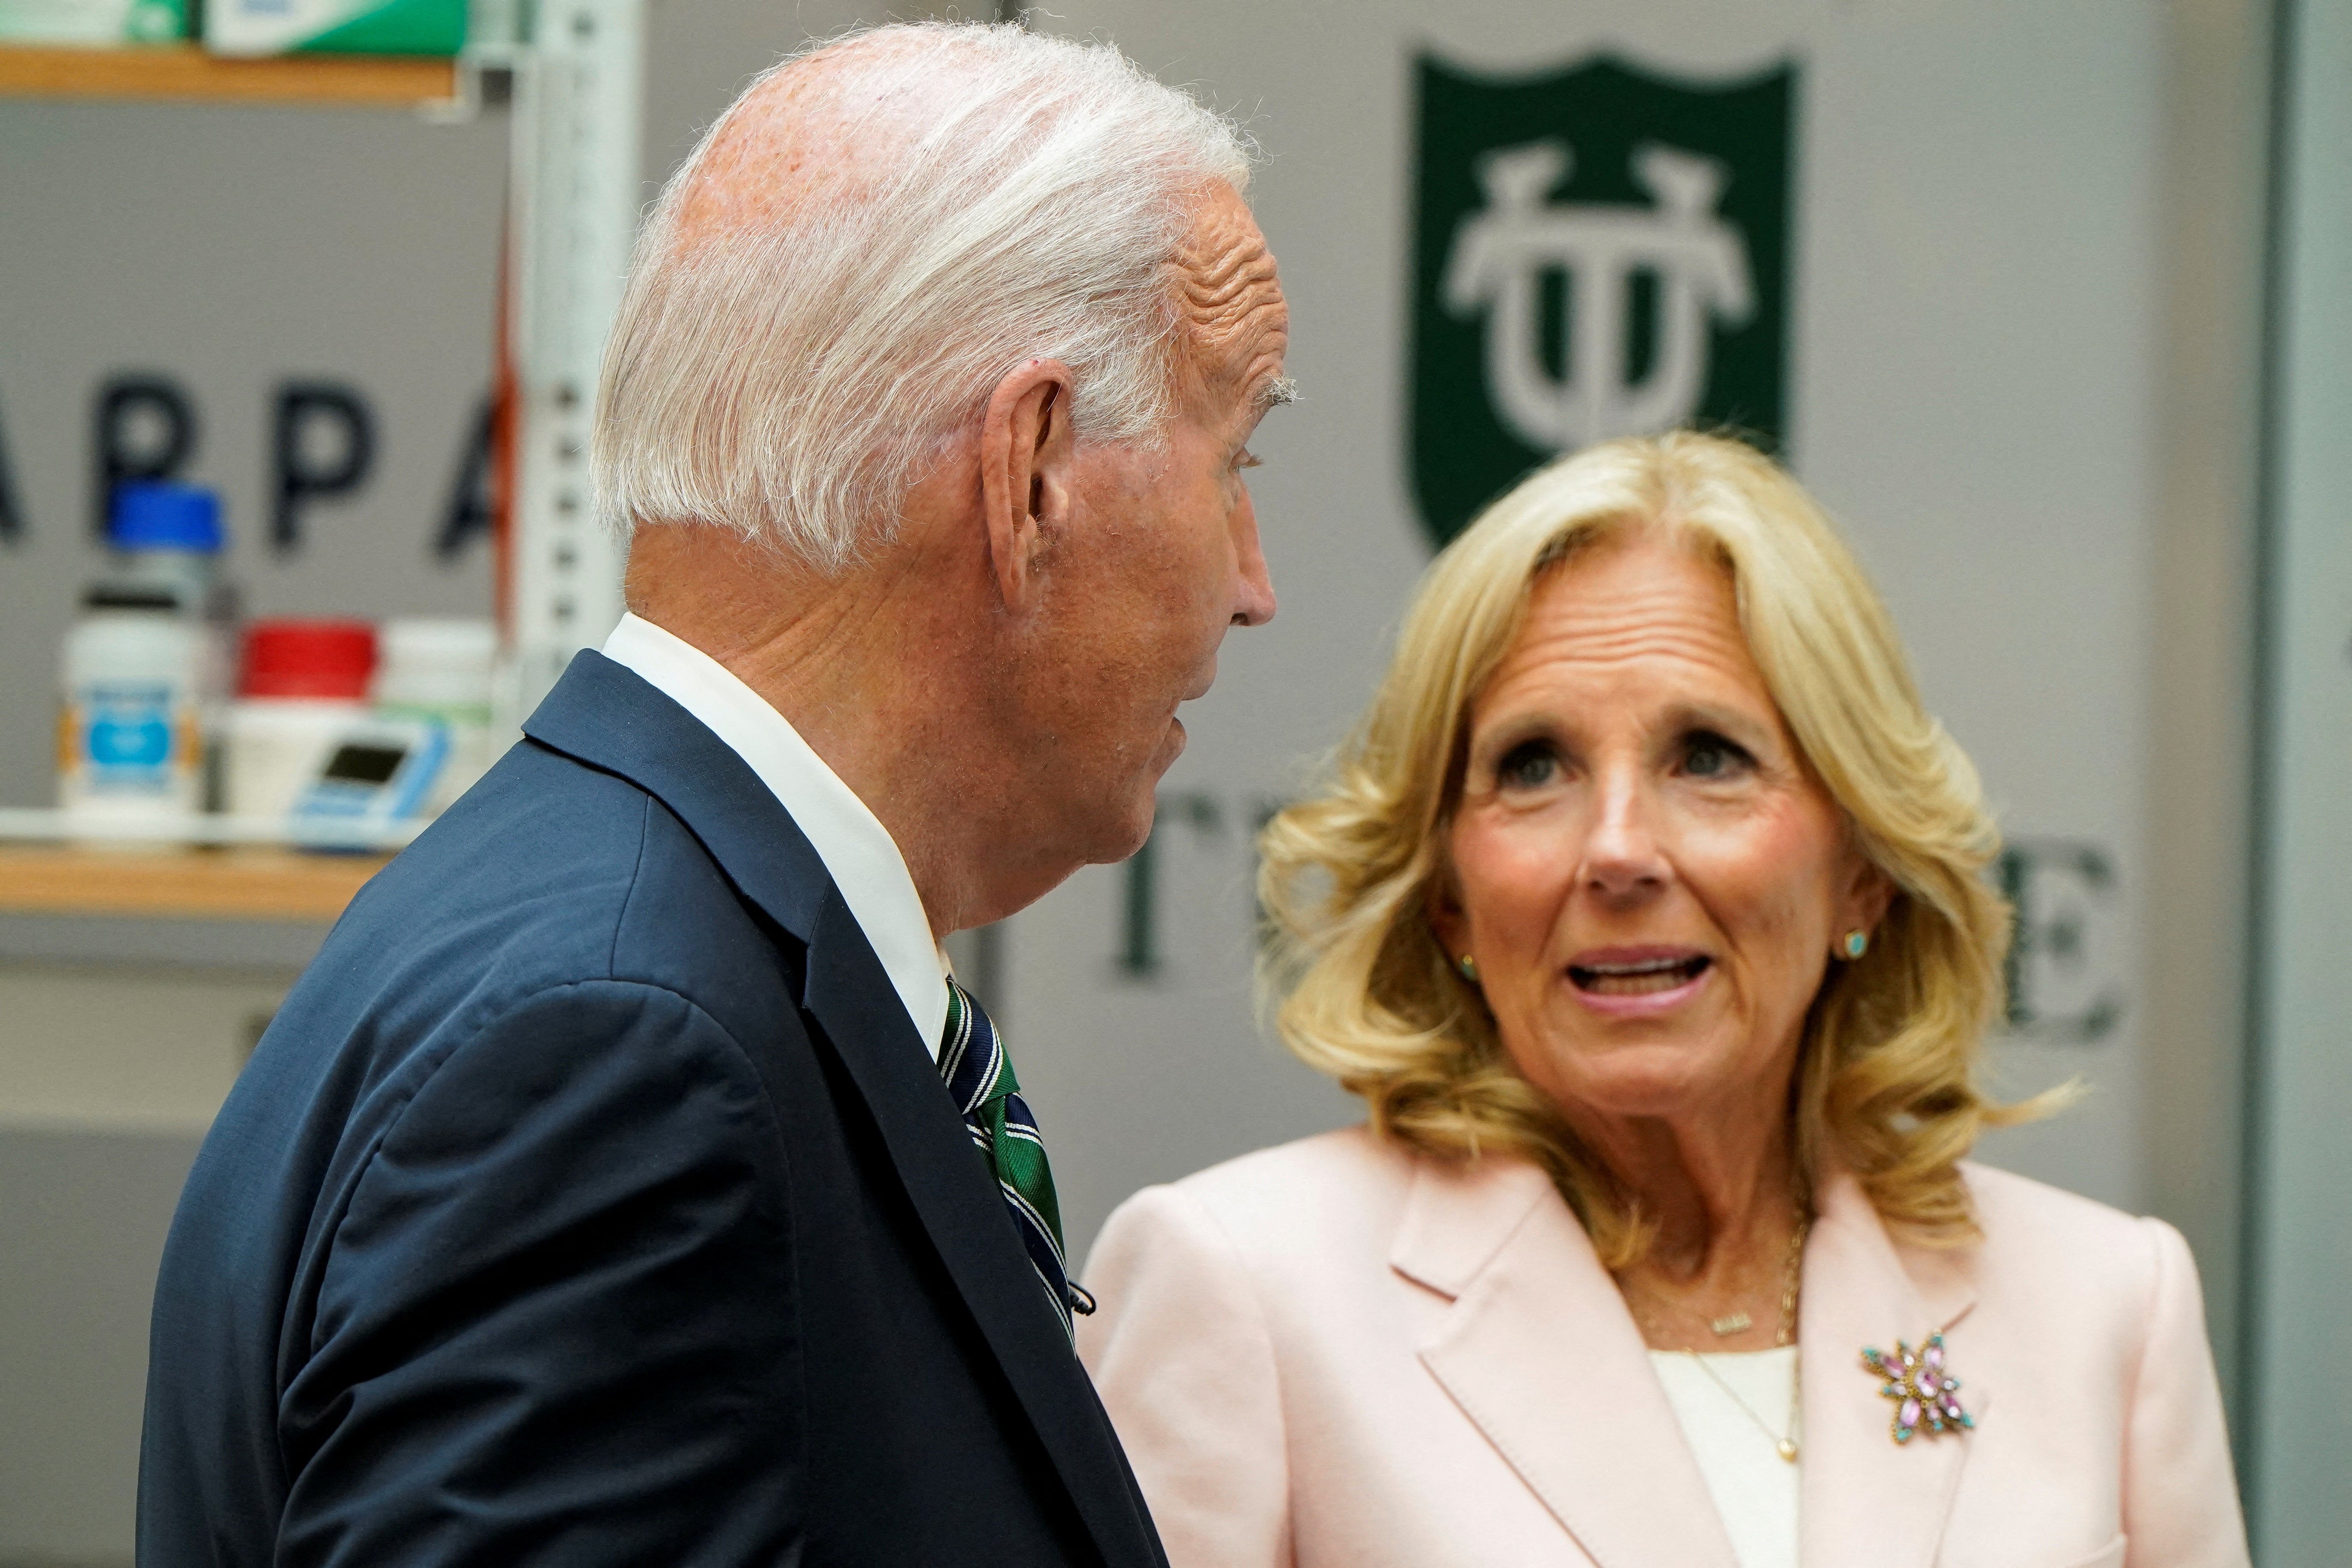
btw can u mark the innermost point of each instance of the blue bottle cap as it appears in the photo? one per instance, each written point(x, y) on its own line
point(156, 514)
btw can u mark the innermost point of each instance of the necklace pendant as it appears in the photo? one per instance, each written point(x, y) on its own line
point(1787, 1446)
point(1737, 1323)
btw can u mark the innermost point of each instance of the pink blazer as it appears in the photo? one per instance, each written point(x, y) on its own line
point(1337, 1354)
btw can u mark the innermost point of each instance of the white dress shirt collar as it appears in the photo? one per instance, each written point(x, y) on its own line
point(856, 850)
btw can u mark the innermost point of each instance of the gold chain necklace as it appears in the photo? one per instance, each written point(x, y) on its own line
point(1783, 1443)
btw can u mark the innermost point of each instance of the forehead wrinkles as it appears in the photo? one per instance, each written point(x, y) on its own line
point(1228, 291)
point(1597, 616)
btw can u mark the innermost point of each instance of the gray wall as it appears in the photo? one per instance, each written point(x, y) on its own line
point(81, 1228)
point(2200, 639)
point(109, 1076)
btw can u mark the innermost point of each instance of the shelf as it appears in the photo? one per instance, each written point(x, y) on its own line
point(185, 71)
point(181, 884)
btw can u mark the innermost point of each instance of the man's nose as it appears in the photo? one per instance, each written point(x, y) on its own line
point(1254, 602)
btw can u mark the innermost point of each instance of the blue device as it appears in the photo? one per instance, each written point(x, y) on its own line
point(376, 777)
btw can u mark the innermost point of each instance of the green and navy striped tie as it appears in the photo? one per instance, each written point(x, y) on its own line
point(978, 1076)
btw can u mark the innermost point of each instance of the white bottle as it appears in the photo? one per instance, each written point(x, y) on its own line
point(301, 684)
point(130, 731)
point(439, 672)
point(167, 537)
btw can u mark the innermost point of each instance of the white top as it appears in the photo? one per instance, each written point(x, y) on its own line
point(1754, 1489)
point(857, 850)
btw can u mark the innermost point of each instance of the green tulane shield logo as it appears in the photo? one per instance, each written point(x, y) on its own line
point(1598, 251)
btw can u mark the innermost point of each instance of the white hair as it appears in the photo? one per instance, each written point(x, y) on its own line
point(788, 380)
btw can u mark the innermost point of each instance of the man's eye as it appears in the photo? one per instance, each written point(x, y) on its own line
point(1706, 756)
point(1246, 459)
point(1528, 765)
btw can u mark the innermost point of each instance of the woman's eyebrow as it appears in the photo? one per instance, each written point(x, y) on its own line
point(1524, 725)
point(1737, 723)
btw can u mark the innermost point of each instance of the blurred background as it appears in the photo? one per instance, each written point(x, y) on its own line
point(2047, 303)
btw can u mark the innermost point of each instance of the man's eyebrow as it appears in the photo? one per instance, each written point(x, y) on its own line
point(1275, 391)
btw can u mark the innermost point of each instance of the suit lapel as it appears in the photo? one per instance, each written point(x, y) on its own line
point(966, 1220)
point(1539, 1353)
point(611, 719)
point(1867, 1502)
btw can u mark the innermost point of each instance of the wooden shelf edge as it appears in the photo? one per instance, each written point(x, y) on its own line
point(181, 884)
point(185, 72)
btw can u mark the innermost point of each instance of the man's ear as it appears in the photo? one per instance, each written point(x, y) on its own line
point(1026, 449)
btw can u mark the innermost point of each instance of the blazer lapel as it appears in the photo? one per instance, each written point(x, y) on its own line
point(1538, 1351)
point(1867, 1500)
point(967, 1222)
point(608, 716)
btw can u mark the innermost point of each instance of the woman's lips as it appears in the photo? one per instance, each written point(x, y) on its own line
point(1638, 980)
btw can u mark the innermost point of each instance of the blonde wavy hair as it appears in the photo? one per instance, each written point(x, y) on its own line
point(1360, 988)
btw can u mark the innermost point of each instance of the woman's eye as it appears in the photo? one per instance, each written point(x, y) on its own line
point(1527, 766)
point(1710, 756)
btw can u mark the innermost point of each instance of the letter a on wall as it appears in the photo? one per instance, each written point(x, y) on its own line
point(1598, 251)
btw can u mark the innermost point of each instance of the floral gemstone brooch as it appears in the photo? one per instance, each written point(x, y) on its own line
point(1925, 1392)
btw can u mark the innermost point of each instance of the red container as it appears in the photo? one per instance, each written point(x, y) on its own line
point(329, 661)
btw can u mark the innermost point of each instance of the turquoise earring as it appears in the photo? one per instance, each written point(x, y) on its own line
point(1469, 967)
point(1857, 942)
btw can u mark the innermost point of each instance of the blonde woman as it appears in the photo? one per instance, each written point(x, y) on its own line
point(1645, 911)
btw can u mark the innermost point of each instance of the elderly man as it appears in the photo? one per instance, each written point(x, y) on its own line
point(627, 1181)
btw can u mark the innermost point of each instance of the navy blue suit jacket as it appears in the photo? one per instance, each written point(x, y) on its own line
point(591, 1200)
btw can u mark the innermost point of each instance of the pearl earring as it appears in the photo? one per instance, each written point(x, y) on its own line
point(1469, 967)
point(1857, 942)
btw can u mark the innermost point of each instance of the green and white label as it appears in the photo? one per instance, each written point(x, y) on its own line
point(1598, 251)
point(335, 26)
point(93, 21)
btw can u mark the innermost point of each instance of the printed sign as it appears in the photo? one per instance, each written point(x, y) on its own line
point(2063, 975)
point(1598, 251)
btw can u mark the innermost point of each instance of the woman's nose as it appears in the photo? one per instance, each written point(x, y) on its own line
point(1621, 856)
